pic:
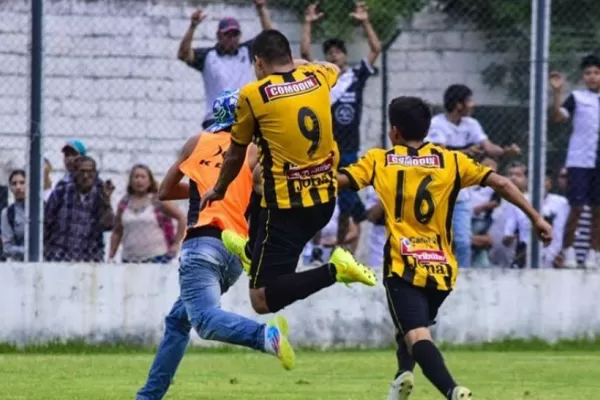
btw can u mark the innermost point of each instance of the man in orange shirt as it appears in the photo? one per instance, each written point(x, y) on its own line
point(207, 269)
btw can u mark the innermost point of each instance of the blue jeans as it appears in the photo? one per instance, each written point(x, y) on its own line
point(461, 226)
point(206, 271)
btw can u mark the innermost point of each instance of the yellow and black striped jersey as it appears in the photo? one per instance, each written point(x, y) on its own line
point(418, 190)
point(288, 115)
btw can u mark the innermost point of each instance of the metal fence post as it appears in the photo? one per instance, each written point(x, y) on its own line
point(384, 86)
point(35, 201)
point(540, 43)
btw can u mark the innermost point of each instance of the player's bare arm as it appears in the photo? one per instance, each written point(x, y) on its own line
point(263, 14)
point(557, 83)
point(375, 213)
point(171, 187)
point(343, 181)
point(186, 52)
point(312, 14)
point(361, 14)
point(505, 188)
point(233, 163)
point(494, 150)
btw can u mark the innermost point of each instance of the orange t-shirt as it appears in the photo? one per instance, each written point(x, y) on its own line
point(203, 167)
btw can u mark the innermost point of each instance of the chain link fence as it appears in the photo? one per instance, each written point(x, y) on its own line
point(113, 80)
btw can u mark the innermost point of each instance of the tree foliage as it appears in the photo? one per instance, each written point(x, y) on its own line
point(575, 30)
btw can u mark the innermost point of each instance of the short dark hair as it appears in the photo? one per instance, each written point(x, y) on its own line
point(411, 116)
point(518, 164)
point(16, 172)
point(273, 47)
point(550, 173)
point(456, 94)
point(334, 42)
point(81, 159)
point(590, 60)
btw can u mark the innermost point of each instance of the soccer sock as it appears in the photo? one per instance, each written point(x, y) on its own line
point(286, 289)
point(429, 358)
point(252, 216)
point(405, 360)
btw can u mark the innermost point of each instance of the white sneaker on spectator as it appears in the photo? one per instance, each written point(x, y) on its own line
point(592, 259)
point(570, 258)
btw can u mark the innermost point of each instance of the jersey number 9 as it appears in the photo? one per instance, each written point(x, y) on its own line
point(310, 128)
point(423, 200)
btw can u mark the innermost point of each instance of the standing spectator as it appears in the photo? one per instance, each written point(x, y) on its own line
point(457, 130)
point(583, 155)
point(377, 236)
point(72, 150)
point(13, 218)
point(226, 65)
point(517, 230)
point(346, 100)
point(144, 224)
point(77, 214)
point(47, 179)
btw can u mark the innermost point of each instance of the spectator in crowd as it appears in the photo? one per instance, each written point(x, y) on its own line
point(144, 225)
point(323, 244)
point(77, 214)
point(226, 65)
point(584, 225)
point(377, 236)
point(483, 201)
point(47, 179)
point(71, 151)
point(346, 100)
point(455, 129)
point(13, 218)
point(583, 156)
point(517, 231)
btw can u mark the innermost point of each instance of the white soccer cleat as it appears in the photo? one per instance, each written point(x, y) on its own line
point(570, 258)
point(592, 259)
point(461, 393)
point(402, 386)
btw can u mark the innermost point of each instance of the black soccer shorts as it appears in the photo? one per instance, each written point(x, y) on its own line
point(280, 239)
point(412, 307)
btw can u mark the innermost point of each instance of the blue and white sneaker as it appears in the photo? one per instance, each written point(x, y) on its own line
point(277, 343)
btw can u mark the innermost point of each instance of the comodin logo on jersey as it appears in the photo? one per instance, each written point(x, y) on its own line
point(279, 90)
point(432, 161)
point(423, 256)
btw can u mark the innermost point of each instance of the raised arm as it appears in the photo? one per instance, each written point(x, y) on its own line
point(263, 14)
point(557, 83)
point(311, 15)
point(361, 15)
point(171, 187)
point(186, 52)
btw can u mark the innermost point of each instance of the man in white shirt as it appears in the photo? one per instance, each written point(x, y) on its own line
point(228, 64)
point(457, 130)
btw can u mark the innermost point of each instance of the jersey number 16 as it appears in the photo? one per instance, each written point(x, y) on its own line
point(423, 199)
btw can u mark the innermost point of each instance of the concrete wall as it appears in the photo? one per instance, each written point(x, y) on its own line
point(107, 302)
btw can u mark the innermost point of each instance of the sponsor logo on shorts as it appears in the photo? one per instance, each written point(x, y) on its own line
point(275, 91)
point(432, 161)
point(423, 256)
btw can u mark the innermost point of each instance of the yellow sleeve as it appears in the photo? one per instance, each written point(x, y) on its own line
point(242, 130)
point(471, 172)
point(361, 173)
point(325, 71)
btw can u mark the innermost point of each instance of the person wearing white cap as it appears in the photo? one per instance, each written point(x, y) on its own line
point(227, 65)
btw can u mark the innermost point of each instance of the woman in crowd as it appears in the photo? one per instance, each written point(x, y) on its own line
point(13, 218)
point(144, 225)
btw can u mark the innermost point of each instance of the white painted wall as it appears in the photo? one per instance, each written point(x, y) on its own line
point(101, 302)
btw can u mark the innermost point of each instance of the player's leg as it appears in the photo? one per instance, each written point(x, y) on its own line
point(594, 258)
point(207, 270)
point(577, 194)
point(414, 309)
point(169, 354)
point(280, 241)
point(461, 226)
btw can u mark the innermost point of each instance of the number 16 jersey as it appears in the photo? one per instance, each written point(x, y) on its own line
point(418, 189)
point(288, 116)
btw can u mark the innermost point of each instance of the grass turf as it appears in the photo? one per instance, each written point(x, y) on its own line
point(530, 375)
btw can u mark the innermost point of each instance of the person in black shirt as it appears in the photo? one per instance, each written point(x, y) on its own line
point(346, 101)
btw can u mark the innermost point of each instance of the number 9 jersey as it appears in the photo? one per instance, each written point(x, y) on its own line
point(418, 190)
point(288, 116)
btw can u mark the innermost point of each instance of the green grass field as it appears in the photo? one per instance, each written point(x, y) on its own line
point(513, 375)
